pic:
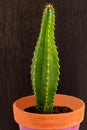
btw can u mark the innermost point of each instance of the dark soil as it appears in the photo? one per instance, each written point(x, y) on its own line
point(56, 110)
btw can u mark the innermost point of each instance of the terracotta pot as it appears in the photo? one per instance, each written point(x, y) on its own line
point(65, 121)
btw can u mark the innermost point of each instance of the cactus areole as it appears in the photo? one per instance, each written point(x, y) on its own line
point(45, 63)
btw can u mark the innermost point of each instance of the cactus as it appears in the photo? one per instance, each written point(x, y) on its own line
point(45, 63)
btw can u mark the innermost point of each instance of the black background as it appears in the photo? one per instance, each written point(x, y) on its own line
point(19, 29)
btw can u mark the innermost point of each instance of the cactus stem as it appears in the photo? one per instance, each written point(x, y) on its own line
point(45, 63)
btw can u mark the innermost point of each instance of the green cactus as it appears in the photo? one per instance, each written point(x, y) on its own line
point(45, 63)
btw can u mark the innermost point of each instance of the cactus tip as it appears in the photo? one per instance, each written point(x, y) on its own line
point(49, 5)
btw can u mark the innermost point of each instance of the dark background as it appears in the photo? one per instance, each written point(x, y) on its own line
point(19, 29)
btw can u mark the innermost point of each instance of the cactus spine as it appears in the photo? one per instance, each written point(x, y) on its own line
point(45, 63)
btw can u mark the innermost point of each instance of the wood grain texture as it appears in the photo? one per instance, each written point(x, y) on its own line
point(19, 28)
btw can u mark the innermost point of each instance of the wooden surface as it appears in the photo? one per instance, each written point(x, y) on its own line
point(19, 28)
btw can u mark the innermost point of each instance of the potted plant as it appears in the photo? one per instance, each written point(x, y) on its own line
point(45, 109)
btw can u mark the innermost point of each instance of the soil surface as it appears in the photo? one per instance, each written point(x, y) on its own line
point(56, 110)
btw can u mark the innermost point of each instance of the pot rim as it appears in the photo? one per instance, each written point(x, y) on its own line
point(64, 120)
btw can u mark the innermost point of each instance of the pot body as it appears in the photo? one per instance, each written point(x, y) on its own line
point(76, 127)
point(64, 121)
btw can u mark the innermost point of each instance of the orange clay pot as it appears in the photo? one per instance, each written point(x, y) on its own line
point(49, 121)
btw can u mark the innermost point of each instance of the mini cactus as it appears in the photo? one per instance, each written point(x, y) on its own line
point(45, 63)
